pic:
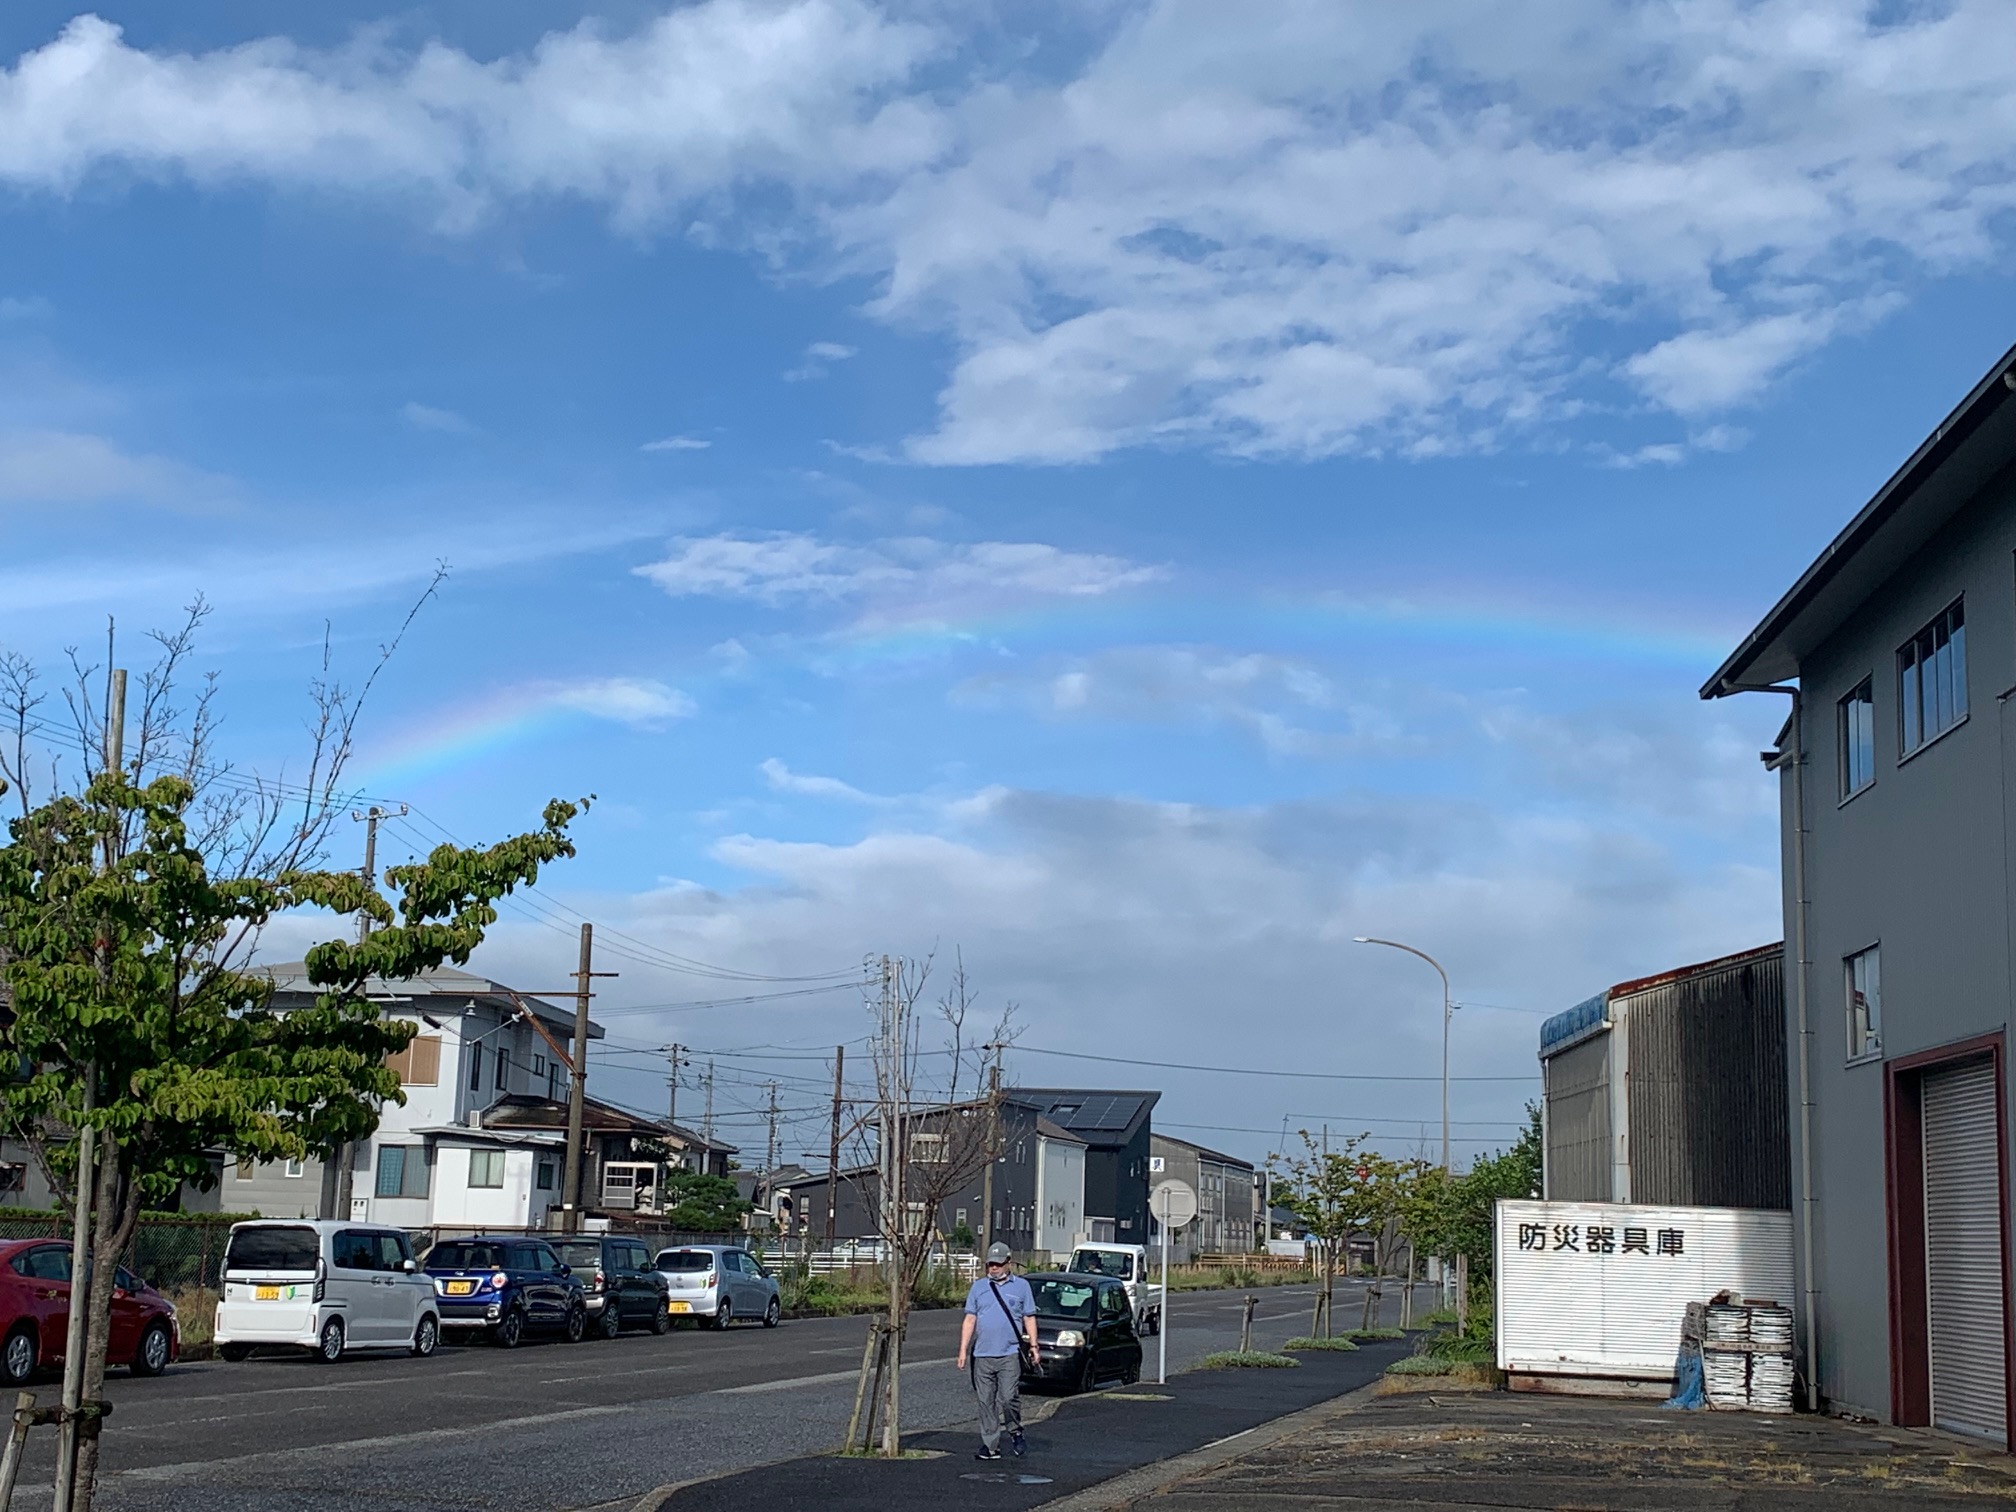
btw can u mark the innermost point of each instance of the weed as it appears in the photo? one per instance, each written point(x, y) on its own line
point(1246, 1359)
point(195, 1313)
point(1421, 1365)
point(1373, 1335)
point(1319, 1344)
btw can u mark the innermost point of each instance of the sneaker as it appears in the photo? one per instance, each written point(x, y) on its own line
point(1018, 1445)
point(984, 1453)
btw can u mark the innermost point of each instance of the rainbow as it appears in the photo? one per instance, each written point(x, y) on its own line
point(461, 734)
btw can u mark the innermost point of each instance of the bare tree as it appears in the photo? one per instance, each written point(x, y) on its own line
point(936, 1132)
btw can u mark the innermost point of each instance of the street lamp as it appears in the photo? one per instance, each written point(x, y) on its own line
point(1448, 1009)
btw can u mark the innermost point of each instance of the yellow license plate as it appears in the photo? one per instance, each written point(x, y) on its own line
point(461, 1288)
point(672, 1307)
point(266, 1294)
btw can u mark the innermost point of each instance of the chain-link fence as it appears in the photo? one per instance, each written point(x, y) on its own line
point(170, 1253)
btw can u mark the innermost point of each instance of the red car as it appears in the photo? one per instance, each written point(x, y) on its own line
point(35, 1314)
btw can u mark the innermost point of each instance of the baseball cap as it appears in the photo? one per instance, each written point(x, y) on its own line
point(999, 1254)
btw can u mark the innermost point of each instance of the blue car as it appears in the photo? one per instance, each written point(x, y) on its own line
point(506, 1288)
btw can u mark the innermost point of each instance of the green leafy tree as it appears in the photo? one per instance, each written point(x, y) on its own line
point(1457, 1215)
point(131, 1015)
point(701, 1204)
point(1349, 1190)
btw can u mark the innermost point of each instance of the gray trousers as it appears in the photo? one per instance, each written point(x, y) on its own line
point(997, 1381)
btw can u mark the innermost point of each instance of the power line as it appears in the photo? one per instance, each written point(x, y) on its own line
point(1118, 1060)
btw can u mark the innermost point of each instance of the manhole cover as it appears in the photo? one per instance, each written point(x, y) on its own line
point(1005, 1478)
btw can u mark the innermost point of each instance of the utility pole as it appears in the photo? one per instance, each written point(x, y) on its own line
point(369, 819)
point(707, 1124)
point(83, 1205)
point(577, 1093)
point(833, 1149)
point(993, 1152)
point(770, 1155)
point(672, 1084)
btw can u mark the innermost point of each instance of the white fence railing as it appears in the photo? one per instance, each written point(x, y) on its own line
point(866, 1254)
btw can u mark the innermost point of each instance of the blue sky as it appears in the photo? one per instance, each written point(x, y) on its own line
point(1137, 497)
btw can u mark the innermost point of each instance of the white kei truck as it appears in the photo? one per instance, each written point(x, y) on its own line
point(1128, 1263)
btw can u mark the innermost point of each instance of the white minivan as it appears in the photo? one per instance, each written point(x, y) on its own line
point(325, 1286)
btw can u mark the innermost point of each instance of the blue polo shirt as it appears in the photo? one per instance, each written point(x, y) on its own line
point(993, 1334)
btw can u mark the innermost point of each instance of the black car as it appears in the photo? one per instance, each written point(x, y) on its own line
point(507, 1287)
point(1085, 1328)
point(621, 1286)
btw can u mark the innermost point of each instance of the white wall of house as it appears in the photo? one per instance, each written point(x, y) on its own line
point(455, 1201)
point(1060, 1196)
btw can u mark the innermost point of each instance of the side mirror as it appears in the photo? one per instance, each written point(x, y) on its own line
point(562, 1268)
point(409, 1266)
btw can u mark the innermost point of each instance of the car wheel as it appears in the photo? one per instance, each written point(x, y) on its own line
point(724, 1314)
point(234, 1352)
point(427, 1336)
point(510, 1329)
point(661, 1320)
point(17, 1357)
point(773, 1313)
point(151, 1358)
point(577, 1324)
point(1132, 1375)
point(1088, 1377)
point(329, 1346)
point(611, 1320)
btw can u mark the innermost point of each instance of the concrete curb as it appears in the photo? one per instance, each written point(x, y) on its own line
point(1122, 1489)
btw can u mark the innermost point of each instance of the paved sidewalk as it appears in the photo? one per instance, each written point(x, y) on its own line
point(1461, 1453)
point(1088, 1440)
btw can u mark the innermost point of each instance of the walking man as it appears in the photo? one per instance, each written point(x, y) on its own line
point(997, 1335)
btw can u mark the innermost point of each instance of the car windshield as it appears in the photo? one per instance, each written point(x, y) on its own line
point(272, 1249)
point(580, 1255)
point(1063, 1299)
point(1103, 1263)
point(465, 1254)
point(685, 1260)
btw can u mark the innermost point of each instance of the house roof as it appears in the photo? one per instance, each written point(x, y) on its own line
point(1205, 1152)
point(1972, 444)
point(290, 979)
point(1591, 1016)
point(526, 1110)
point(1097, 1117)
point(1056, 1131)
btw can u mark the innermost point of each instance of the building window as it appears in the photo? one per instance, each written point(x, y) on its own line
point(402, 1171)
point(245, 1169)
point(538, 1066)
point(503, 1069)
point(476, 1068)
point(297, 1168)
point(486, 1168)
point(548, 1172)
point(419, 1064)
point(927, 1149)
point(1864, 972)
point(553, 1082)
point(1856, 716)
point(1932, 680)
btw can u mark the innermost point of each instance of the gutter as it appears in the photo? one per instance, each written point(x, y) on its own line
point(1777, 761)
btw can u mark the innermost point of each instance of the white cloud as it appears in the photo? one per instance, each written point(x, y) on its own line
point(426, 417)
point(911, 571)
point(70, 467)
point(1321, 229)
point(819, 358)
point(784, 780)
point(676, 444)
point(627, 700)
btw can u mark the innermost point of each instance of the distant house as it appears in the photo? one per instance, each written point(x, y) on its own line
point(1114, 1127)
point(1228, 1198)
point(481, 1137)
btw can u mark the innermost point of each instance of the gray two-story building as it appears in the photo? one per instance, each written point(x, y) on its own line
point(1898, 646)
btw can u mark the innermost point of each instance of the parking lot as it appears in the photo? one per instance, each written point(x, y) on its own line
point(546, 1426)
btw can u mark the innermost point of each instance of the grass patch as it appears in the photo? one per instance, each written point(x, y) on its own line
point(1442, 1317)
point(1319, 1344)
point(1374, 1335)
point(195, 1313)
point(1421, 1365)
point(1246, 1359)
point(838, 1294)
point(1465, 1378)
point(1227, 1277)
point(1462, 1349)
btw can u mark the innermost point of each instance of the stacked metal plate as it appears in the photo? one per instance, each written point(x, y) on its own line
point(1725, 1376)
point(1770, 1383)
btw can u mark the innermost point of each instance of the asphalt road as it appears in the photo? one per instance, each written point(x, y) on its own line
point(547, 1427)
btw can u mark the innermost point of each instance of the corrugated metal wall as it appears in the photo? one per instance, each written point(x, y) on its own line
point(1709, 1121)
point(1578, 1123)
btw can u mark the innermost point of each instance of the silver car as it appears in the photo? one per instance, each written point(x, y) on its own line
point(718, 1284)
